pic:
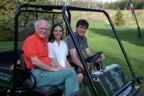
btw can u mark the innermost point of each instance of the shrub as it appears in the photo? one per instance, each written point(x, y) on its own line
point(118, 20)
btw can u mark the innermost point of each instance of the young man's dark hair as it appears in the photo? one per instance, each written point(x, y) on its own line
point(82, 22)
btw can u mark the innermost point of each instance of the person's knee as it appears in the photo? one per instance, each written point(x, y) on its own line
point(71, 71)
point(80, 76)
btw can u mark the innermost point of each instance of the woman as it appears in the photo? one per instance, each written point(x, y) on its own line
point(58, 50)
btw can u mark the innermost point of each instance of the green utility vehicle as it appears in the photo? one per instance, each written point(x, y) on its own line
point(111, 79)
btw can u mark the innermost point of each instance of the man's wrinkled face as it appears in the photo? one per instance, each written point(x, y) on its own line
point(42, 29)
point(81, 30)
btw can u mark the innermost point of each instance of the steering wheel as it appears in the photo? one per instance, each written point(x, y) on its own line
point(94, 57)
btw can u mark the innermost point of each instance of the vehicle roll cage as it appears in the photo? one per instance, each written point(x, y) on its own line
point(65, 11)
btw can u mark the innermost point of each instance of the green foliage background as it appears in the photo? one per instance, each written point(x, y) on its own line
point(7, 13)
point(8, 7)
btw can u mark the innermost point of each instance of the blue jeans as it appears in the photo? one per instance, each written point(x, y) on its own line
point(65, 80)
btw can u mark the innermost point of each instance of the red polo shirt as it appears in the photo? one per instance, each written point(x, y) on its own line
point(35, 46)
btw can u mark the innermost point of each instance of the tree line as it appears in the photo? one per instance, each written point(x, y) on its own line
point(8, 7)
point(122, 4)
point(125, 5)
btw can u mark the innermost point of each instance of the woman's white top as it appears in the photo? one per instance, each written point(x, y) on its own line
point(58, 53)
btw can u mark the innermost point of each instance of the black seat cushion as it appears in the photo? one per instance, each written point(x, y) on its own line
point(28, 82)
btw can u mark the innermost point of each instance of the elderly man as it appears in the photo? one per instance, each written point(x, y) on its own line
point(45, 71)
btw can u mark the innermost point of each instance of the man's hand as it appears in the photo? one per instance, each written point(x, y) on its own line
point(53, 65)
point(57, 68)
point(69, 66)
point(101, 57)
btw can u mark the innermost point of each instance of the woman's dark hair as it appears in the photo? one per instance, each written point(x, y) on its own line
point(51, 36)
point(82, 22)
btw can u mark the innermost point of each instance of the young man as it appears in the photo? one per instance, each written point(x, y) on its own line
point(81, 28)
point(46, 72)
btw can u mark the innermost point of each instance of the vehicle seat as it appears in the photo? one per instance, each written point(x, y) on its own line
point(28, 84)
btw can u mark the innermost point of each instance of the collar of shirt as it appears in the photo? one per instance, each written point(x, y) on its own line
point(55, 43)
point(80, 39)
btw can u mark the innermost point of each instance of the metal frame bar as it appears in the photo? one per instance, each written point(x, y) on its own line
point(72, 8)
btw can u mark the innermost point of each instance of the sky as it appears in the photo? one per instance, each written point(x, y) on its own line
point(106, 0)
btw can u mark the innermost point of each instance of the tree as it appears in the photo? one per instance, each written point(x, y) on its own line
point(6, 19)
point(118, 20)
point(7, 13)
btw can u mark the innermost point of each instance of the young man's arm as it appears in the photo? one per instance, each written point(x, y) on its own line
point(75, 59)
point(89, 52)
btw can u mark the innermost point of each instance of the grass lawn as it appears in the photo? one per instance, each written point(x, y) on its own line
point(101, 38)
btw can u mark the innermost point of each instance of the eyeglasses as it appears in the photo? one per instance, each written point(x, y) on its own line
point(46, 29)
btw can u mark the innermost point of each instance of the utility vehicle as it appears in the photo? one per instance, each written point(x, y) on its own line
point(112, 80)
